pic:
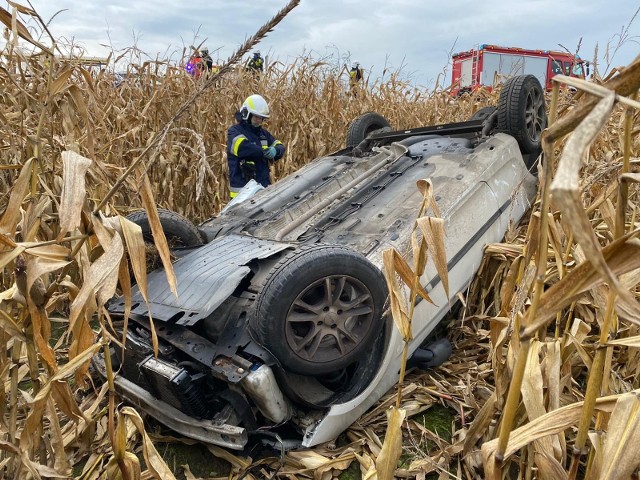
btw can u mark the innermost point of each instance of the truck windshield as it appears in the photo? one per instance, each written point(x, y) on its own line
point(577, 70)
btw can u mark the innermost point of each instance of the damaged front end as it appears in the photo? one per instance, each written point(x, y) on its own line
point(211, 380)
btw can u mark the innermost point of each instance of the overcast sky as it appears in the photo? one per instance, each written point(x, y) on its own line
point(415, 36)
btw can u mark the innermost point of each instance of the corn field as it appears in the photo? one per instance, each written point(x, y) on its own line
point(545, 373)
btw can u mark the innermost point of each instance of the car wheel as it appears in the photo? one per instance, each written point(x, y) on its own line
point(522, 112)
point(483, 113)
point(320, 309)
point(361, 127)
point(179, 231)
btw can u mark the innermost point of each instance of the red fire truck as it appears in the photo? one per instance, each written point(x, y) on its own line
point(489, 65)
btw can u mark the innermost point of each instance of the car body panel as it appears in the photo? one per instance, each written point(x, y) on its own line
point(468, 229)
point(207, 277)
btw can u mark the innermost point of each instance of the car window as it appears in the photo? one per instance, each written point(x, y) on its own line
point(567, 68)
point(556, 67)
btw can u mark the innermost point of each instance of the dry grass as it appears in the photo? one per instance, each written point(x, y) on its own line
point(546, 349)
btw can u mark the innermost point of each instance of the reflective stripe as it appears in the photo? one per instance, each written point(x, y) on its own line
point(236, 143)
point(233, 194)
point(250, 102)
point(233, 191)
point(277, 142)
point(264, 144)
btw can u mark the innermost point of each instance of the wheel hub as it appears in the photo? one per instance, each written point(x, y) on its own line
point(329, 318)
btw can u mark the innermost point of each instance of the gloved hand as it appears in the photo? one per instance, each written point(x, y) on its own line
point(270, 153)
point(248, 169)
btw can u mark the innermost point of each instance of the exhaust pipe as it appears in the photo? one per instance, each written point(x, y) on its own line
point(262, 388)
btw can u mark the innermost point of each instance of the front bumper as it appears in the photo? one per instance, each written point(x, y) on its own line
point(229, 436)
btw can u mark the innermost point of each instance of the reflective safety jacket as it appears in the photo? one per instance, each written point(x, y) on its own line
point(355, 75)
point(256, 64)
point(247, 143)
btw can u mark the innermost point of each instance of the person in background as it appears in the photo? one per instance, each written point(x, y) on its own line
point(251, 149)
point(356, 75)
point(206, 58)
point(256, 64)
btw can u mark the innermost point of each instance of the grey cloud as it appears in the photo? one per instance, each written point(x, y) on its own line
point(416, 35)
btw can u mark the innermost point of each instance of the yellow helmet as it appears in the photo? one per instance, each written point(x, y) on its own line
point(254, 105)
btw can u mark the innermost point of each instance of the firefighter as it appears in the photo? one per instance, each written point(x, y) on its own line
point(356, 75)
point(206, 58)
point(256, 64)
point(251, 149)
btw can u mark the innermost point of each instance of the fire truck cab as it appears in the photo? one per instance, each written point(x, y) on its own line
point(490, 65)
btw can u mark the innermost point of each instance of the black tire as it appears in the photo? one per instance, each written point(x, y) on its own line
point(299, 318)
point(522, 112)
point(483, 113)
point(179, 231)
point(361, 127)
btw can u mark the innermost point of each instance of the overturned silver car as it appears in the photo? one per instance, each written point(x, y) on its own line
point(280, 323)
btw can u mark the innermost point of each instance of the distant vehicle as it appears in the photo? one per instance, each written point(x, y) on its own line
point(280, 325)
point(490, 65)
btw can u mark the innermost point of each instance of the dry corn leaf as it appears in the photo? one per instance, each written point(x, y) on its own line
point(319, 465)
point(234, 460)
point(131, 463)
point(509, 286)
point(408, 276)
point(425, 187)
point(112, 245)
point(60, 83)
point(619, 457)
point(83, 337)
point(22, 8)
point(61, 462)
point(532, 389)
point(11, 215)
point(627, 342)
point(137, 253)
point(9, 325)
point(549, 424)
point(154, 461)
point(119, 444)
point(34, 418)
point(396, 297)
point(389, 456)
point(622, 256)
point(101, 278)
point(433, 232)
point(22, 30)
point(309, 459)
point(552, 366)
point(159, 238)
point(65, 401)
point(9, 256)
point(565, 189)
point(367, 467)
point(74, 167)
point(419, 253)
point(52, 252)
point(480, 423)
point(549, 467)
point(78, 100)
point(5, 241)
point(36, 267)
point(35, 469)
